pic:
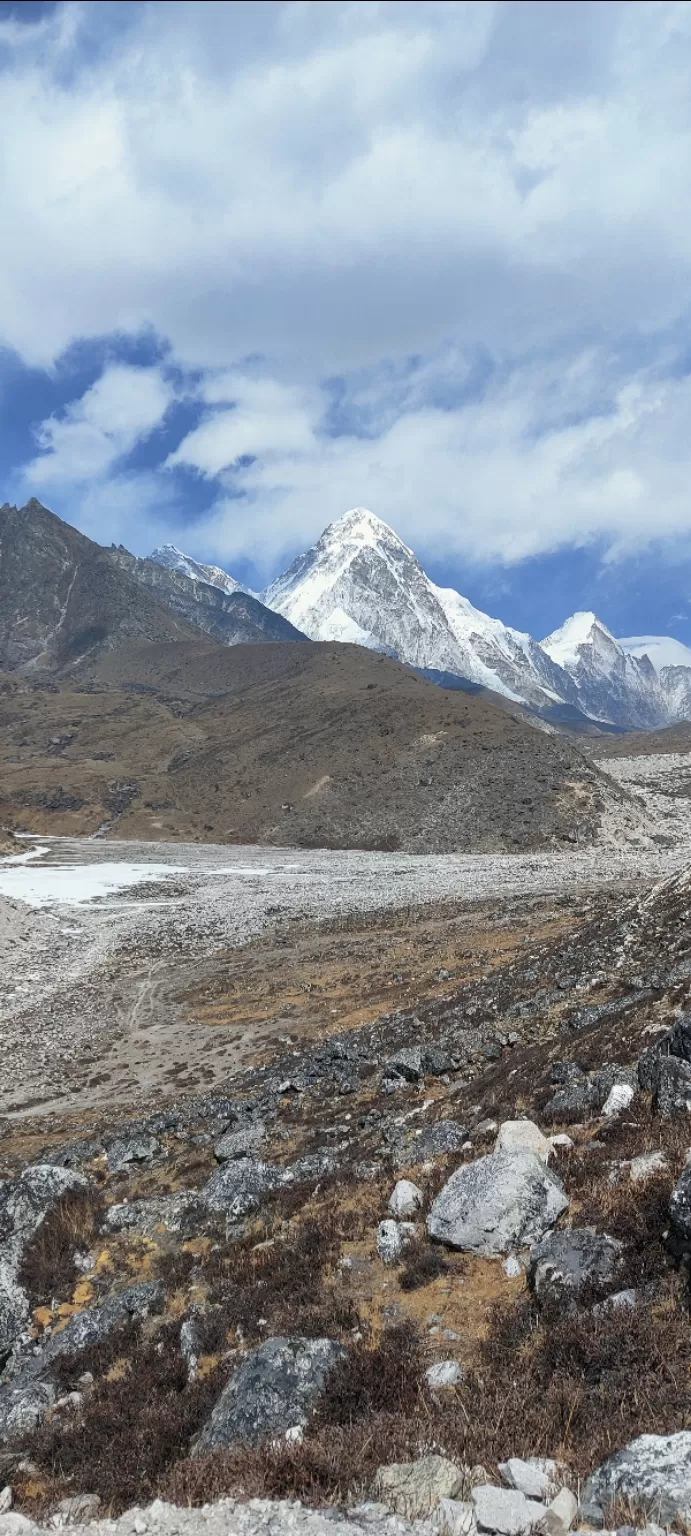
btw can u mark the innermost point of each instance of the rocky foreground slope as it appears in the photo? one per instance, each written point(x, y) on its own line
point(435, 1268)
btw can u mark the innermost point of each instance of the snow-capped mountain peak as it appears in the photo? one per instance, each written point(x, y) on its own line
point(361, 571)
point(612, 685)
point(174, 559)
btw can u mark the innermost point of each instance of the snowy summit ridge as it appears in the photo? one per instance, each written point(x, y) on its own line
point(175, 560)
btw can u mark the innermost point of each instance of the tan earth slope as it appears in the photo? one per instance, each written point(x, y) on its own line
point(320, 745)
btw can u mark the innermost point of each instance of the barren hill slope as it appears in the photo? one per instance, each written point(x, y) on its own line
point(319, 745)
point(62, 598)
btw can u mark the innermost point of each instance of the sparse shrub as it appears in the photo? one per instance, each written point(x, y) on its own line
point(423, 1264)
point(384, 1378)
point(48, 1269)
point(140, 1421)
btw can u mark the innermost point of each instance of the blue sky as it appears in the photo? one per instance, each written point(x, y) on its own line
point(263, 262)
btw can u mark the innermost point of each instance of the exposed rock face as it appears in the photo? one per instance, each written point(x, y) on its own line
point(24, 1202)
point(275, 1389)
point(505, 1201)
point(654, 1471)
point(565, 1263)
point(229, 614)
point(90, 1327)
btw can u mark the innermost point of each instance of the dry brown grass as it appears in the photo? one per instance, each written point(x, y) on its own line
point(48, 1271)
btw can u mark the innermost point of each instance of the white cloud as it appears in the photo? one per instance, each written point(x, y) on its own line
point(122, 407)
point(329, 184)
point(267, 418)
point(519, 472)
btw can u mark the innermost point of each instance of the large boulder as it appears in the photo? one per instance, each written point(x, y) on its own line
point(24, 1203)
point(185, 1213)
point(565, 1264)
point(275, 1389)
point(653, 1472)
point(496, 1204)
point(238, 1187)
point(414, 1062)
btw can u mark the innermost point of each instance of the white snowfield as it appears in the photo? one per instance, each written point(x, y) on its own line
point(54, 885)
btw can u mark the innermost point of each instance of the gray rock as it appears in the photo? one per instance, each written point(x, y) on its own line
point(23, 1408)
point(406, 1199)
point(14, 1303)
point(276, 1388)
point(523, 1136)
point(185, 1213)
point(501, 1202)
point(680, 1206)
point(77, 1510)
point(537, 1477)
point(617, 1301)
point(505, 1511)
point(646, 1165)
point(95, 1324)
point(435, 1141)
point(124, 1150)
point(573, 1102)
point(671, 1082)
point(26, 1200)
point(414, 1062)
point(240, 1141)
point(453, 1517)
point(413, 1489)
point(653, 1472)
point(565, 1263)
point(561, 1513)
point(446, 1373)
point(238, 1188)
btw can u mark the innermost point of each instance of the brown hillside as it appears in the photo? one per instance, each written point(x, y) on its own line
point(320, 745)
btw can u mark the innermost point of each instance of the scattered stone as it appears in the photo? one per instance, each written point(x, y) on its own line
point(505, 1511)
point(523, 1135)
point(276, 1387)
point(501, 1202)
point(537, 1478)
point(618, 1099)
point(564, 1263)
point(512, 1267)
point(446, 1373)
point(406, 1200)
point(647, 1164)
point(561, 1142)
point(653, 1472)
point(619, 1299)
point(573, 1102)
point(561, 1513)
point(414, 1488)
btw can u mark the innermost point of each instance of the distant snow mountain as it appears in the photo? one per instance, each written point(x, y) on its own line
point(360, 582)
point(612, 684)
point(175, 560)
